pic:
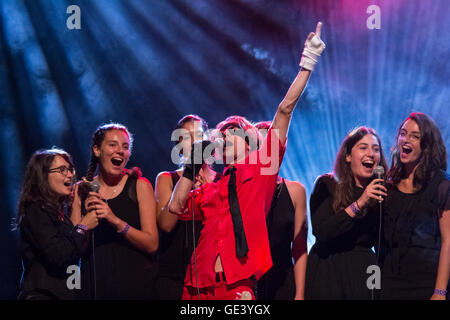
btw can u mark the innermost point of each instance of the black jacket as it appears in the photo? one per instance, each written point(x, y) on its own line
point(48, 246)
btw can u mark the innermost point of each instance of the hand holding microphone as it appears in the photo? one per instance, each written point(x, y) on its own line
point(375, 190)
point(196, 159)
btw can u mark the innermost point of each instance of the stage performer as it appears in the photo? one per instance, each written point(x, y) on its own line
point(417, 221)
point(121, 264)
point(287, 229)
point(49, 242)
point(176, 237)
point(233, 250)
point(345, 221)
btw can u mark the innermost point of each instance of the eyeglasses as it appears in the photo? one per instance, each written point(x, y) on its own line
point(63, 170)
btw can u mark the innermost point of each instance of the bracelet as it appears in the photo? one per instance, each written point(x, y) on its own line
point(440, 292)
point(355, 209)
point(81, 229)
point(125, 230)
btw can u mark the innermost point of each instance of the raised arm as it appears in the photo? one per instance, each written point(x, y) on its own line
point(177, 203)
point(314, 46)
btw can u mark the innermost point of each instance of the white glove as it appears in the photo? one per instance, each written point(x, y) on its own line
point(314, 46)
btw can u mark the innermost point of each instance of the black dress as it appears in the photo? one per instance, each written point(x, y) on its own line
point(117, 270)
point(279, 282)
point(338, 261)
point(412, 240)
point(174, 255)
point(48, 245)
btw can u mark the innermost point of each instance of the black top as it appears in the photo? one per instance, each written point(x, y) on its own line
point(121, 271)
point(279, 282)
point(338, 261)
point(412, 239)
point(48, 246)
point(176, 247)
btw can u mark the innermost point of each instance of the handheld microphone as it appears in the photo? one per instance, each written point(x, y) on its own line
point(94, 186)
point(379, 172)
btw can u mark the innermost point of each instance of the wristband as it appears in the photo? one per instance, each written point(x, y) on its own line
point(81, 229)
point(440, 292)
point(125, 230)
point(355, 209)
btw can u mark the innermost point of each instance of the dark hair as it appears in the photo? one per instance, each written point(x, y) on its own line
point(36, 189)
point(97, 139)
point(343, 173)
point(186, 119)
point(432, 159)
point(189, 118)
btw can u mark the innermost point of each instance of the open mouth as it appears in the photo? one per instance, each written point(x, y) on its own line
point(67, 183)
point(117, 161)
point(368, 164)
point(406, 149)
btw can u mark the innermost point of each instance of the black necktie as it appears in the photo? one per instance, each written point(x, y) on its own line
point(236, 217)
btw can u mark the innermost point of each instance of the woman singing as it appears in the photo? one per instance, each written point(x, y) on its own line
point(49, 242)
point(176, 236)
point(121, 262)
point(345, 220)
point(417, 223)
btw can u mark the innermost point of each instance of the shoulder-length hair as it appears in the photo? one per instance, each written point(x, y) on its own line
point(432, 159)
point(36, 189)
point(343, 173)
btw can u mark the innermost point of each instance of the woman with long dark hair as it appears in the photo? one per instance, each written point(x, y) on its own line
point(345, 220)
point(177, 237)
point(417, 221)
point(49, 242)
point(121, 263)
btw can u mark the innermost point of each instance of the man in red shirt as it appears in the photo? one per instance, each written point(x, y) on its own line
point(233, 250)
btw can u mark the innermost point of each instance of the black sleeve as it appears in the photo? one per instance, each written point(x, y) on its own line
point(327, 224)
point(58, 243)
point(444, 195)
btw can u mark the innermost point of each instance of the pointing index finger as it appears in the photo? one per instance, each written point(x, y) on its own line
point(319, 29)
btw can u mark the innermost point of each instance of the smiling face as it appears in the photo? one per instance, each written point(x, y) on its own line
point(114, 152)
point(408, 143)
point(60, 183)
point(364, 157)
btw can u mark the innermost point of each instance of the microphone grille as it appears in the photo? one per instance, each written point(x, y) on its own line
point(379, 171)
point(95, 186)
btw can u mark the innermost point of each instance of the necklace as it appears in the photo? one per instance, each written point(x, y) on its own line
point(111, 196)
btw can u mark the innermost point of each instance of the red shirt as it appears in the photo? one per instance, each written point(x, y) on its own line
point(255, 189)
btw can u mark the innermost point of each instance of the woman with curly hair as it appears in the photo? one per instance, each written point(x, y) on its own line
point(417, 221)
point(49, 242)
